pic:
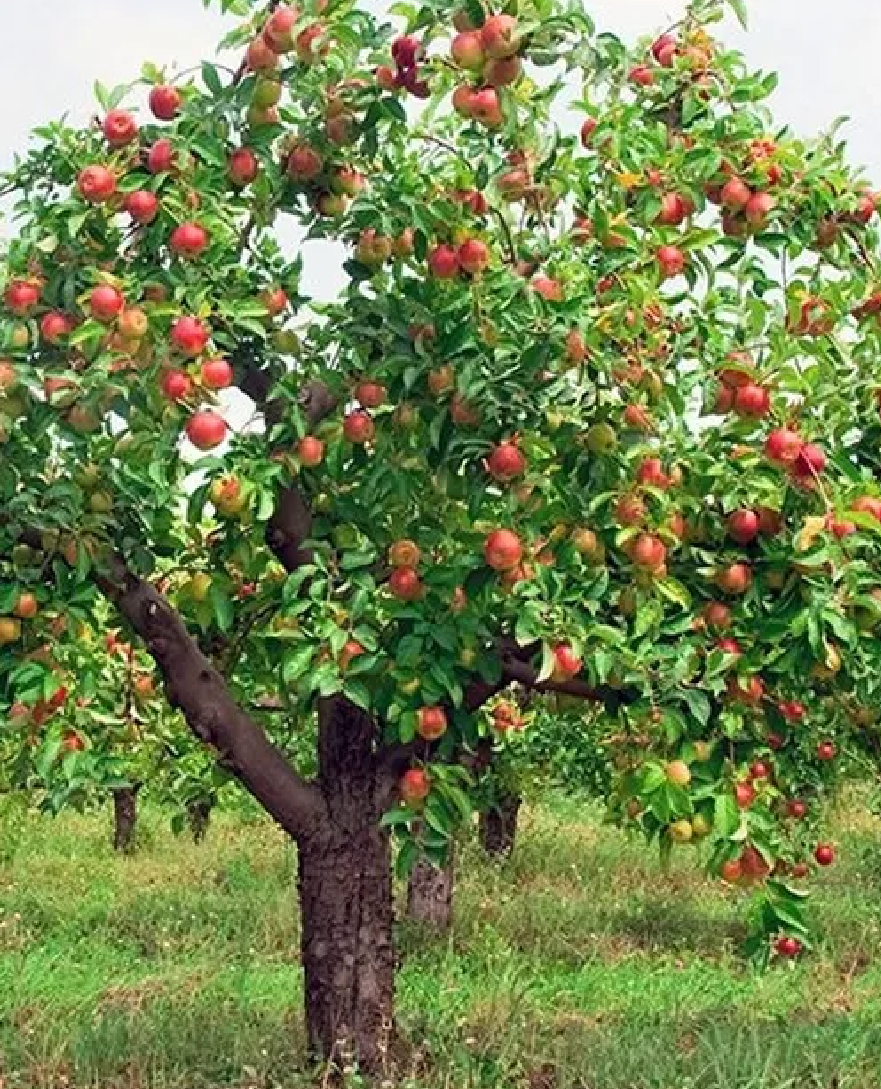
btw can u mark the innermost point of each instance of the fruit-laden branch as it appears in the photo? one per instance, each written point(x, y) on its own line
point(291, 522)
point(201, 694)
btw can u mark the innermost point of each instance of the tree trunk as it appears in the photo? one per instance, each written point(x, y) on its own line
point(125, 818)
point(498, 826)
point(199, 816)
point(346, 900)
point(430, 894)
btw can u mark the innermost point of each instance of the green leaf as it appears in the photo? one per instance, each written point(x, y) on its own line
point(739, 9)
point(212, 79)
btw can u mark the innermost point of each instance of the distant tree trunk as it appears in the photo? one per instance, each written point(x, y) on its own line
point(498, 826)
point(199, 817)
point(430, 894)
point(125, 818)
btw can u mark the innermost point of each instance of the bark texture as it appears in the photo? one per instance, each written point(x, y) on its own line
point(125, 818)
point(498, 826)
point(430, 894)
point(346, 900)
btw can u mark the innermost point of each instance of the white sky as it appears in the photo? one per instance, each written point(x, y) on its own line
point(55, 50)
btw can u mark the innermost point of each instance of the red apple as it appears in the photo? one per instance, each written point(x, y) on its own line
point(165, 102)
point(106, 303)
point(21, 297)
point(176, 385)
point(431, 723)
point(160, 157)
point(405, 584)
point(358, 427)
point(217, 373)
point(142, 206)
point(96, 184)
point(824, 854)
point(119, 128)
point(506, 462)
point(415, 786)
point(743, 526)
point(190, 336)
point(242, 167)
point(503, 550)
point(443, 262)
point(189, 240)
point(206, 429)
point(310, 451)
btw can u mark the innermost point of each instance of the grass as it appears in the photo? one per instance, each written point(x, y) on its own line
point(577, 964)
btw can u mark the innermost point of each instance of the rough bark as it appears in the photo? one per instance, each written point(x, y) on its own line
point(125, 818)
point(199, 817)
point(430, 894)
point(346, 900)
point(497, 828)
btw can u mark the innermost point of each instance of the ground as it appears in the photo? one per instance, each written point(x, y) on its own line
point(578, 964)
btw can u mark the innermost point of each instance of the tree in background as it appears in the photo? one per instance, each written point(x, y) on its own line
point(588, 417)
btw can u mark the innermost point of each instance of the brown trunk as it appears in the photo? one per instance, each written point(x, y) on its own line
point(198, 817)
point(125, 818)
point(430, 894)
point(346, 901)
point(498, 826)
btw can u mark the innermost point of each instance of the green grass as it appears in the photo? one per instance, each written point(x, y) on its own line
point(577, 964)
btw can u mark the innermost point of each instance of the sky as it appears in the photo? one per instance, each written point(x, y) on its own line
point(827, 65)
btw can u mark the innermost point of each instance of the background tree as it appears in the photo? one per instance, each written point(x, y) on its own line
point(586, 418)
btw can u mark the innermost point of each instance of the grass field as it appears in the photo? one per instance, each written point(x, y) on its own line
point(576, 964)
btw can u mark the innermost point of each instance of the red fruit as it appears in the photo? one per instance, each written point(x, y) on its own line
point(55, 327)
point(824, 854)
point(800, 869)
point(648, 552)
point(499, 36)
point(783, 446)
point(787, 947)
point(671, 260)
point(664, 50)
point(642, 75)
point(176, 385)
point(810, 462)
point(750, 692)
point(735, 194)
point(673, 210)
point(443, 262)
point(731, 871)
point(405, 584)
point(792, 710)
point(567, 664)
point(717, 615)
point(759, 770)
point(758, 208)
point(503, 72)
point(260, 56)
point(838, 527)
point(275, 299)
point(752, 401)
point(503, 550)
point(485, 106)
point(96, 184)
point(467, 50)
point(206, 429)
point(587, 130)
point(744, 795)
point(651, 474)
point(189, 240)
point(160, 157)
point(369, 394)
point(142, 205)
point(415, 786)
point(473, 256)
point(770, 521)
point(630, 510)
point(549, 288)
point(406, 50)
point(242, 167)
point(775, 741)
point(729, 646)
point(358, 427)
point(217, 373)
point(743, 526)
point(735, 579)
point(867, 504)
point(506, 462)
point(190, 336)
point(21, 297)
point(431, 723)
point(164, 102)
point(639, 418)
point(825, 750)
point(310, 451)
point(797, 809)
point(119, 128)
point(106, 303)
point(278, 30)
point(304, 163)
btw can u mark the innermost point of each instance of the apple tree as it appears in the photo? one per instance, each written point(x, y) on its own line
point(588, 415)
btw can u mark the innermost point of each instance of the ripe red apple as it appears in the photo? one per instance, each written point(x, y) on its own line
point(485, 107)
point(369, 394)
point(463, 100)
point(506, 462)
point(165, 102)
point(731, 871)
point(758, 769)
point(55, 327)
point(638, 417)
point(467, 50)
point(206, 429)
point(651, 474)
point(242, 167)
point(190, 336)
point(160, 157)
point(648, 552)
point(750, 691)
point(443, 262)
point(473, 255)
point(260, 56)
point(743, 526)
point(275, 299)
point(431, 723)
point(810, 462)
point(189, 240)
point(405, 584)
point(142, 206)
point(310, 451)
point(358, 427)
point(735, 194)
point(797, 809)
point(630, 510)
point(96, 184)
point(783, 446)
point(744, 795)
point(735, 579)
point(106, 303)
point(176, 385)
point(867, 504)
point(825, 750)
point(717, 615)
point(21, 297)
point(673, 210)
point(499, 36)
point(119, 128)
point(26, 607)
point(758, 208)
point(441, 379)
point(548, 287)
point(503, 550)
point(588, 128)
point(786, 946)
point(567, 664)
point(824, 854)
point(415, 786)
point(752, 401)
point(217, 373)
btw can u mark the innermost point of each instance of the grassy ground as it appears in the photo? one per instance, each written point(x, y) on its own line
point(576, 965)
